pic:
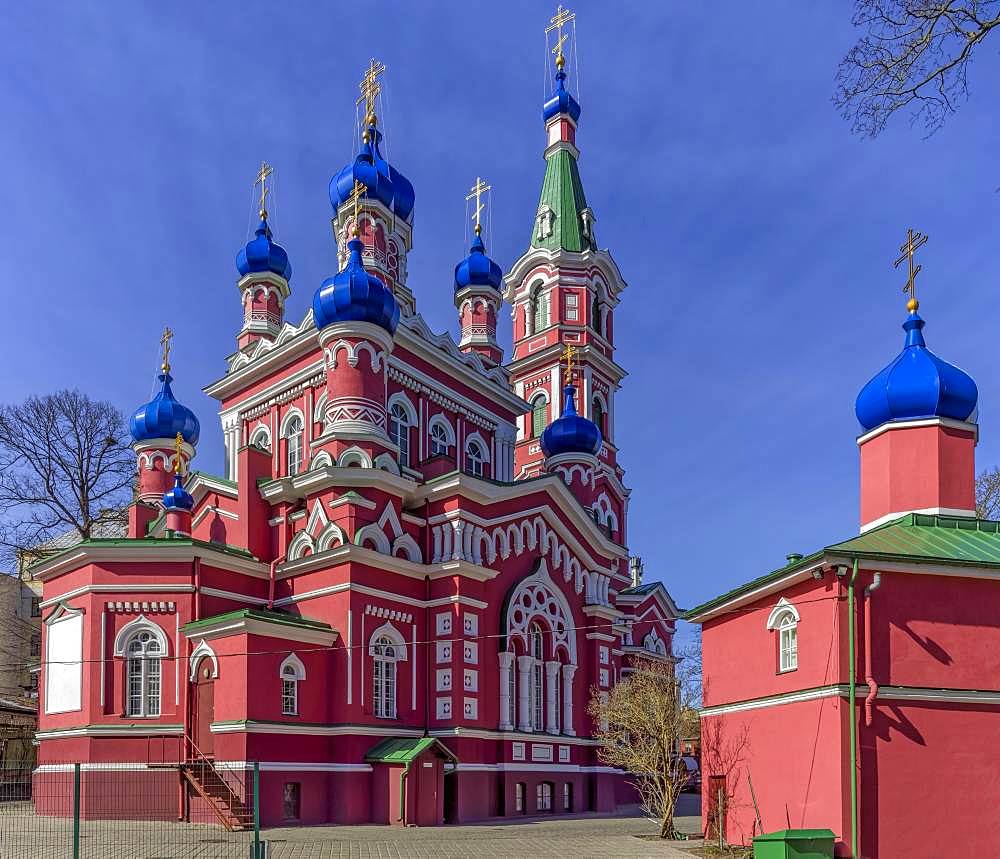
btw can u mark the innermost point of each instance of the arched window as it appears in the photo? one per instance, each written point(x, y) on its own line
point(399, 432)
point(291, 672)
point(439, 440)
point(474, 458)
point(597, 410)
point(595, 314)
point(261, 438)
point(538, 708)
point(539, 415)
point(142, 660)
point(785, 619)
point(540, 309)
point(384, 680)
point(512, 694)
point(293, 432)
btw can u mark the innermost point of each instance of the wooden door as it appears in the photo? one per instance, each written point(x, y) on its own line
point(203, 713)
point(429, 804)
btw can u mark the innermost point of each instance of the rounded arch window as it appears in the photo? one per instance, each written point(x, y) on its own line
point(539, 415)
point(439, 440)
point(475, 457)
point(143, 674)
point(385, 656)
point(293, 432)
point(399, 432)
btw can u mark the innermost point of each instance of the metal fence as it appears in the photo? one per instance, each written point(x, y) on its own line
point(129, 811)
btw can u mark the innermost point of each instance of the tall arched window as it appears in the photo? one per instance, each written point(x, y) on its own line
point(142, 659)
point(291, 672)
point(474, 458)
point(784, 618)
point(384, 680)
point(597, 410)
point(439, 440)
point(399, 432)
point(538, 708)
point(512, 694)
point(539, 415)
point(595, 314)
point(540, 306)
point(293, 432)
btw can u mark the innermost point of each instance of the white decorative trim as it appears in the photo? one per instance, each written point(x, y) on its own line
point(139, 624)
point(933, 511)
point(782, 607)
point(955, 696)
point(517, 736)
point(144, 729)
point(967, 426)
point(778, 700)
point(394, 635)
point(292, 661)
point(251, 726)
point(202, 650)
point(231, 595)
point(125, 589)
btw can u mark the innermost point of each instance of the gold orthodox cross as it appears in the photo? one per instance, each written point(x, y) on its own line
point(568, 352)
point(178, 441)
point(558, 21)
point(265, 171)
point(165, 343)
point(370, 88)
point(914, 240)
point(354, 199)
point(477, 191)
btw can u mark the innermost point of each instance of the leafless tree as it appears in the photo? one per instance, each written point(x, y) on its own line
point(988, 494)
point(639, 724)
point(64, 462)
point(914, 56)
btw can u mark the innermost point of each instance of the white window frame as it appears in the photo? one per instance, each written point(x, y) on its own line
point(539, 407)
point(144, 652)
point(294, 434)
point(784, 618)
point(387, 648)
point(543, 796)
point(441, 434)
point(290, 673)
point(399, 432)
point(537, 678)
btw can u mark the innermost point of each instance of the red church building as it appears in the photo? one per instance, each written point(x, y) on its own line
point(413, 574)
point(857, 687)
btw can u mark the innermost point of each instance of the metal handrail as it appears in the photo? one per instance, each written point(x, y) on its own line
point(205, 762)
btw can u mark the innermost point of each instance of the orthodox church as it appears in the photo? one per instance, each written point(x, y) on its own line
point(413, 574)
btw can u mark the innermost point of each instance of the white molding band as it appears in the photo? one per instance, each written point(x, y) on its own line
point(934, 511)
point(967, 426)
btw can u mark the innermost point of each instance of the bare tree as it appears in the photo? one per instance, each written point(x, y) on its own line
point(64, 462)
point(988, 494)
point(914, 56)
point(640, 722)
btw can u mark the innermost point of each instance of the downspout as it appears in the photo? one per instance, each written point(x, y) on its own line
point(872, 685)
point(402, 792)
point(270, 581)
point(852, 659)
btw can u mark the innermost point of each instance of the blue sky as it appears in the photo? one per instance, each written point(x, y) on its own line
point(756, 234)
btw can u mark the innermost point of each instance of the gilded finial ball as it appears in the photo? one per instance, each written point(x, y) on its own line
point(560, 62)
point(355, 232)
point(366, 137)
point(912, 305)
point(372, 119)
point(479, 229)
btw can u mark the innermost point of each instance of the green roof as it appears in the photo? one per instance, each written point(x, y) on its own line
point(562, 191)
point(150, 543)
point(217, 479)
point(915, 537)
point(266, 615)
point(405, 750)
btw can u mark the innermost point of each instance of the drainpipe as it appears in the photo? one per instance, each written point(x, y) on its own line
point(872, 685)
point(852, 658)
point(270, 581)
point(402, 792)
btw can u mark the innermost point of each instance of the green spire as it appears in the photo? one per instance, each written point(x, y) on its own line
point(559, 223)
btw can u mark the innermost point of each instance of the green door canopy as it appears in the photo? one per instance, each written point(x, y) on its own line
point(795, 844)
point(405, 750)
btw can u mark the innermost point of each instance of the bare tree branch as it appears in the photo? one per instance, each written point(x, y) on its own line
point(988, 494)
point(914, 56)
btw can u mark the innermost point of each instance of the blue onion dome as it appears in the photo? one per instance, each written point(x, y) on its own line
point(354, 295)
point(263, 254)
point(164, 417)
point(917, 384)
point(178, 498)
point(561, 101)
point(382, 181)
point(477, 269)
point(571, 433)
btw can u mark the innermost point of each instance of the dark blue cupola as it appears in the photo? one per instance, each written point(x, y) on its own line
point(917, 384)
point(178, 498)
point(262, 253)
point(571, 433)
point(354, 295)
point(382, 181)
point(477, 269)
point(561, 101)
point(164, 417)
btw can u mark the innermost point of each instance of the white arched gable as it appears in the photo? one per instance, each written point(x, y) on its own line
point(536, 596)
point(385, 462)
point(134, 627)
point(376, 535)
point(400, 399)
point(354, 456)
point(331, 537)
point(387, 630)
point(783, 614)
point(654, 643)
point(440, 420)
point(300, 542)
point(293, 412)
point(319, 410)
point(534, 395)
point(260, 437)
point(292, 661)
point(202, 651)
point(408, 546)
point(476, 437)
point(321, 460)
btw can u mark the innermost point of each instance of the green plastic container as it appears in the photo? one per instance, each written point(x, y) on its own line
point(794, 844)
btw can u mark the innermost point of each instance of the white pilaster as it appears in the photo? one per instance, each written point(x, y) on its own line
point(524, 687)
point(551, 680)
point(506, 665)
point(567, 699)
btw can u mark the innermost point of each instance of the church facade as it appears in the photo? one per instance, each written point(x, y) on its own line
point(412, 576)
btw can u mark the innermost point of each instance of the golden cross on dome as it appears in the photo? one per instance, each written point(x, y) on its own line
point(262, 175)
point(178, 441)
point(569, 350)
point(477, 191)
point(558, 21)
point(165, 343)
point(914, 240)
point(370, 89)
point(354, 199)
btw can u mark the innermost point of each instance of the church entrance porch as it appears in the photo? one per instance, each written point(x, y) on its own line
point(408, 780)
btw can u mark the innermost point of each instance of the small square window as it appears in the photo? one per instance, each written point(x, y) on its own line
point(291, 798)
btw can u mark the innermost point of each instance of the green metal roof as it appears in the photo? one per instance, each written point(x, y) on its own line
point(261, 614)
point(562, 191)
point(915, 537)
point(149, 543)
point(405, 750)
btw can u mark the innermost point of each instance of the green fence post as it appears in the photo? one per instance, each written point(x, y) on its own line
point(76, 811)
point(256, 810)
